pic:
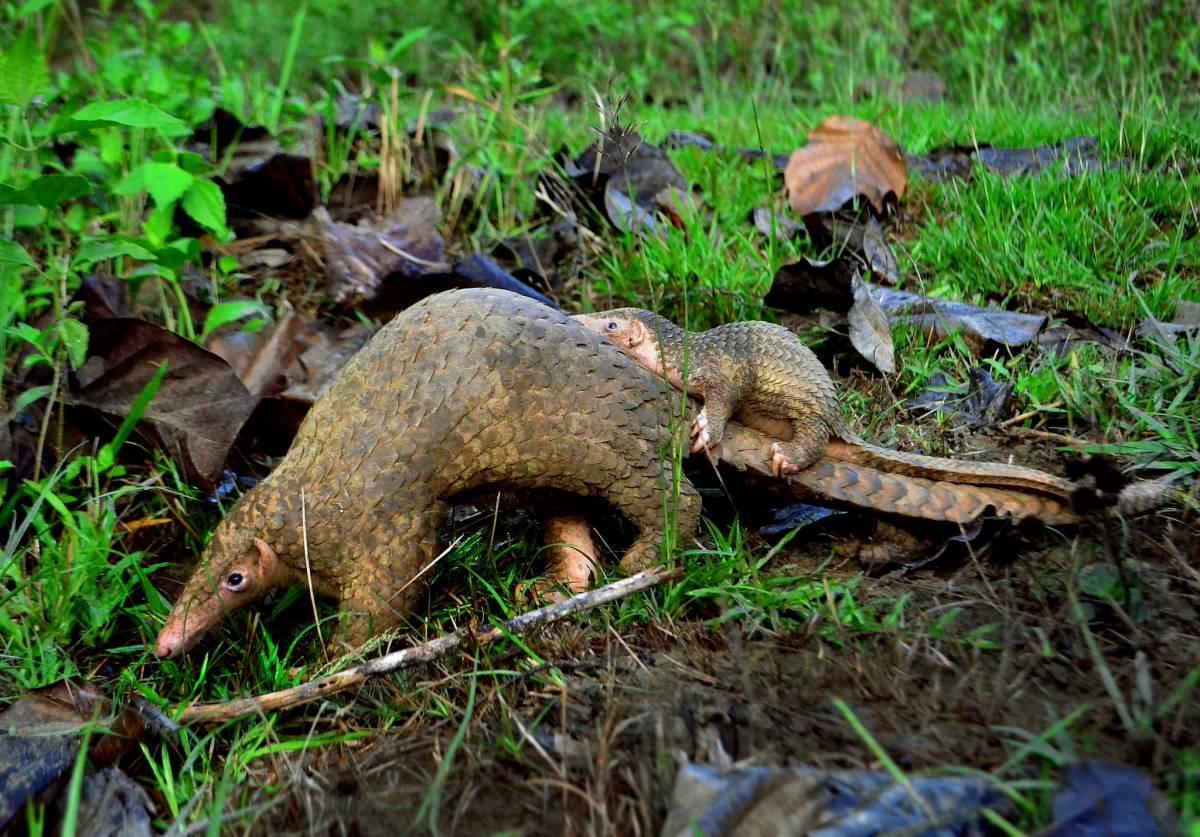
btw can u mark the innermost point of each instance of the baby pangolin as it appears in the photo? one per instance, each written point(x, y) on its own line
point(765, 377)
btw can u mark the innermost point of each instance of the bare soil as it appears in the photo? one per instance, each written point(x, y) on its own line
point(590, 742)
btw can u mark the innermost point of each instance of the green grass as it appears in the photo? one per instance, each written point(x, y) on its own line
point(75, 595)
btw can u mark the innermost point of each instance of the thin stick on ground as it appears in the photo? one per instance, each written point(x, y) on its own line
point(208, 713)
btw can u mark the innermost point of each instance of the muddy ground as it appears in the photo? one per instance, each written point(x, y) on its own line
point(598, 752)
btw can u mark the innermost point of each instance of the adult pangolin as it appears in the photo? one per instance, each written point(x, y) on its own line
point(466, 390)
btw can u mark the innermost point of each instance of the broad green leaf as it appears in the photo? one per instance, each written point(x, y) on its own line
point(131, 113)
point(192, 163)
point(225, 313)
point(205, 203)
point(166, 182)
point(158, 225)
point(74, 335)
point(98, 251)
point(23, 72)
point(47, 191)
point(29, 396)
point(27, 217)
point(32, 7)
point(13, 253)
point(53, 189)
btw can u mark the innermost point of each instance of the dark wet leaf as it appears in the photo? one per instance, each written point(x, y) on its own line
point(878, 253)
point(694, 139)
point(18, 445)
point(1068, 329)
point(354, 196)
point(103, 297)
point(280, 186)
point(870, 332)
point(199, 407)
point(354, 113)
point(541, 256)
point(641, 169)
point(1186, 320)
point(29, 765)
point(1070, 158)
point(110, 805)
point(40, 737)
point(922, 86)
point(625, 174)
point(399, 291)
point(940, 317)
point(260, 180)
point(854, 236)
point(223, 130)
point(718, 801)
point(1097, 799)
point(482, 272)
point(804, 285)
point(691, 139)
point(626, 215)
point(793, 515)
point(771, 223)
point(1187, 313)
point(981, 402)
point(845, 158)
point(942, 164)
point(359, 257)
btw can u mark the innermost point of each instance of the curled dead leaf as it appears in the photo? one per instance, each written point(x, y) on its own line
point(200, 404)
point(361, 256)
point(869, 329)
point(844, 158)
point(878, 253)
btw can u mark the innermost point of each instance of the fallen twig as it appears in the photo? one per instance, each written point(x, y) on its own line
point(208, 713)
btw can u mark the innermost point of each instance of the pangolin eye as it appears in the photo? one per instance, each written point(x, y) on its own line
point(235, 581)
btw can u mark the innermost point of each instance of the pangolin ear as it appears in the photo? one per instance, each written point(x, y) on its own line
point(268, 559)
point(638, 333)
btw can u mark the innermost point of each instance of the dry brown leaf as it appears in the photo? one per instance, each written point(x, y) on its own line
point(869, 329)
point(845, 157)
point(198, 409)
point(878, 253)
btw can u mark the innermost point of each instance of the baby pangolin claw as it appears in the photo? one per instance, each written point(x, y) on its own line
point(701, 439)
point(780, 464)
